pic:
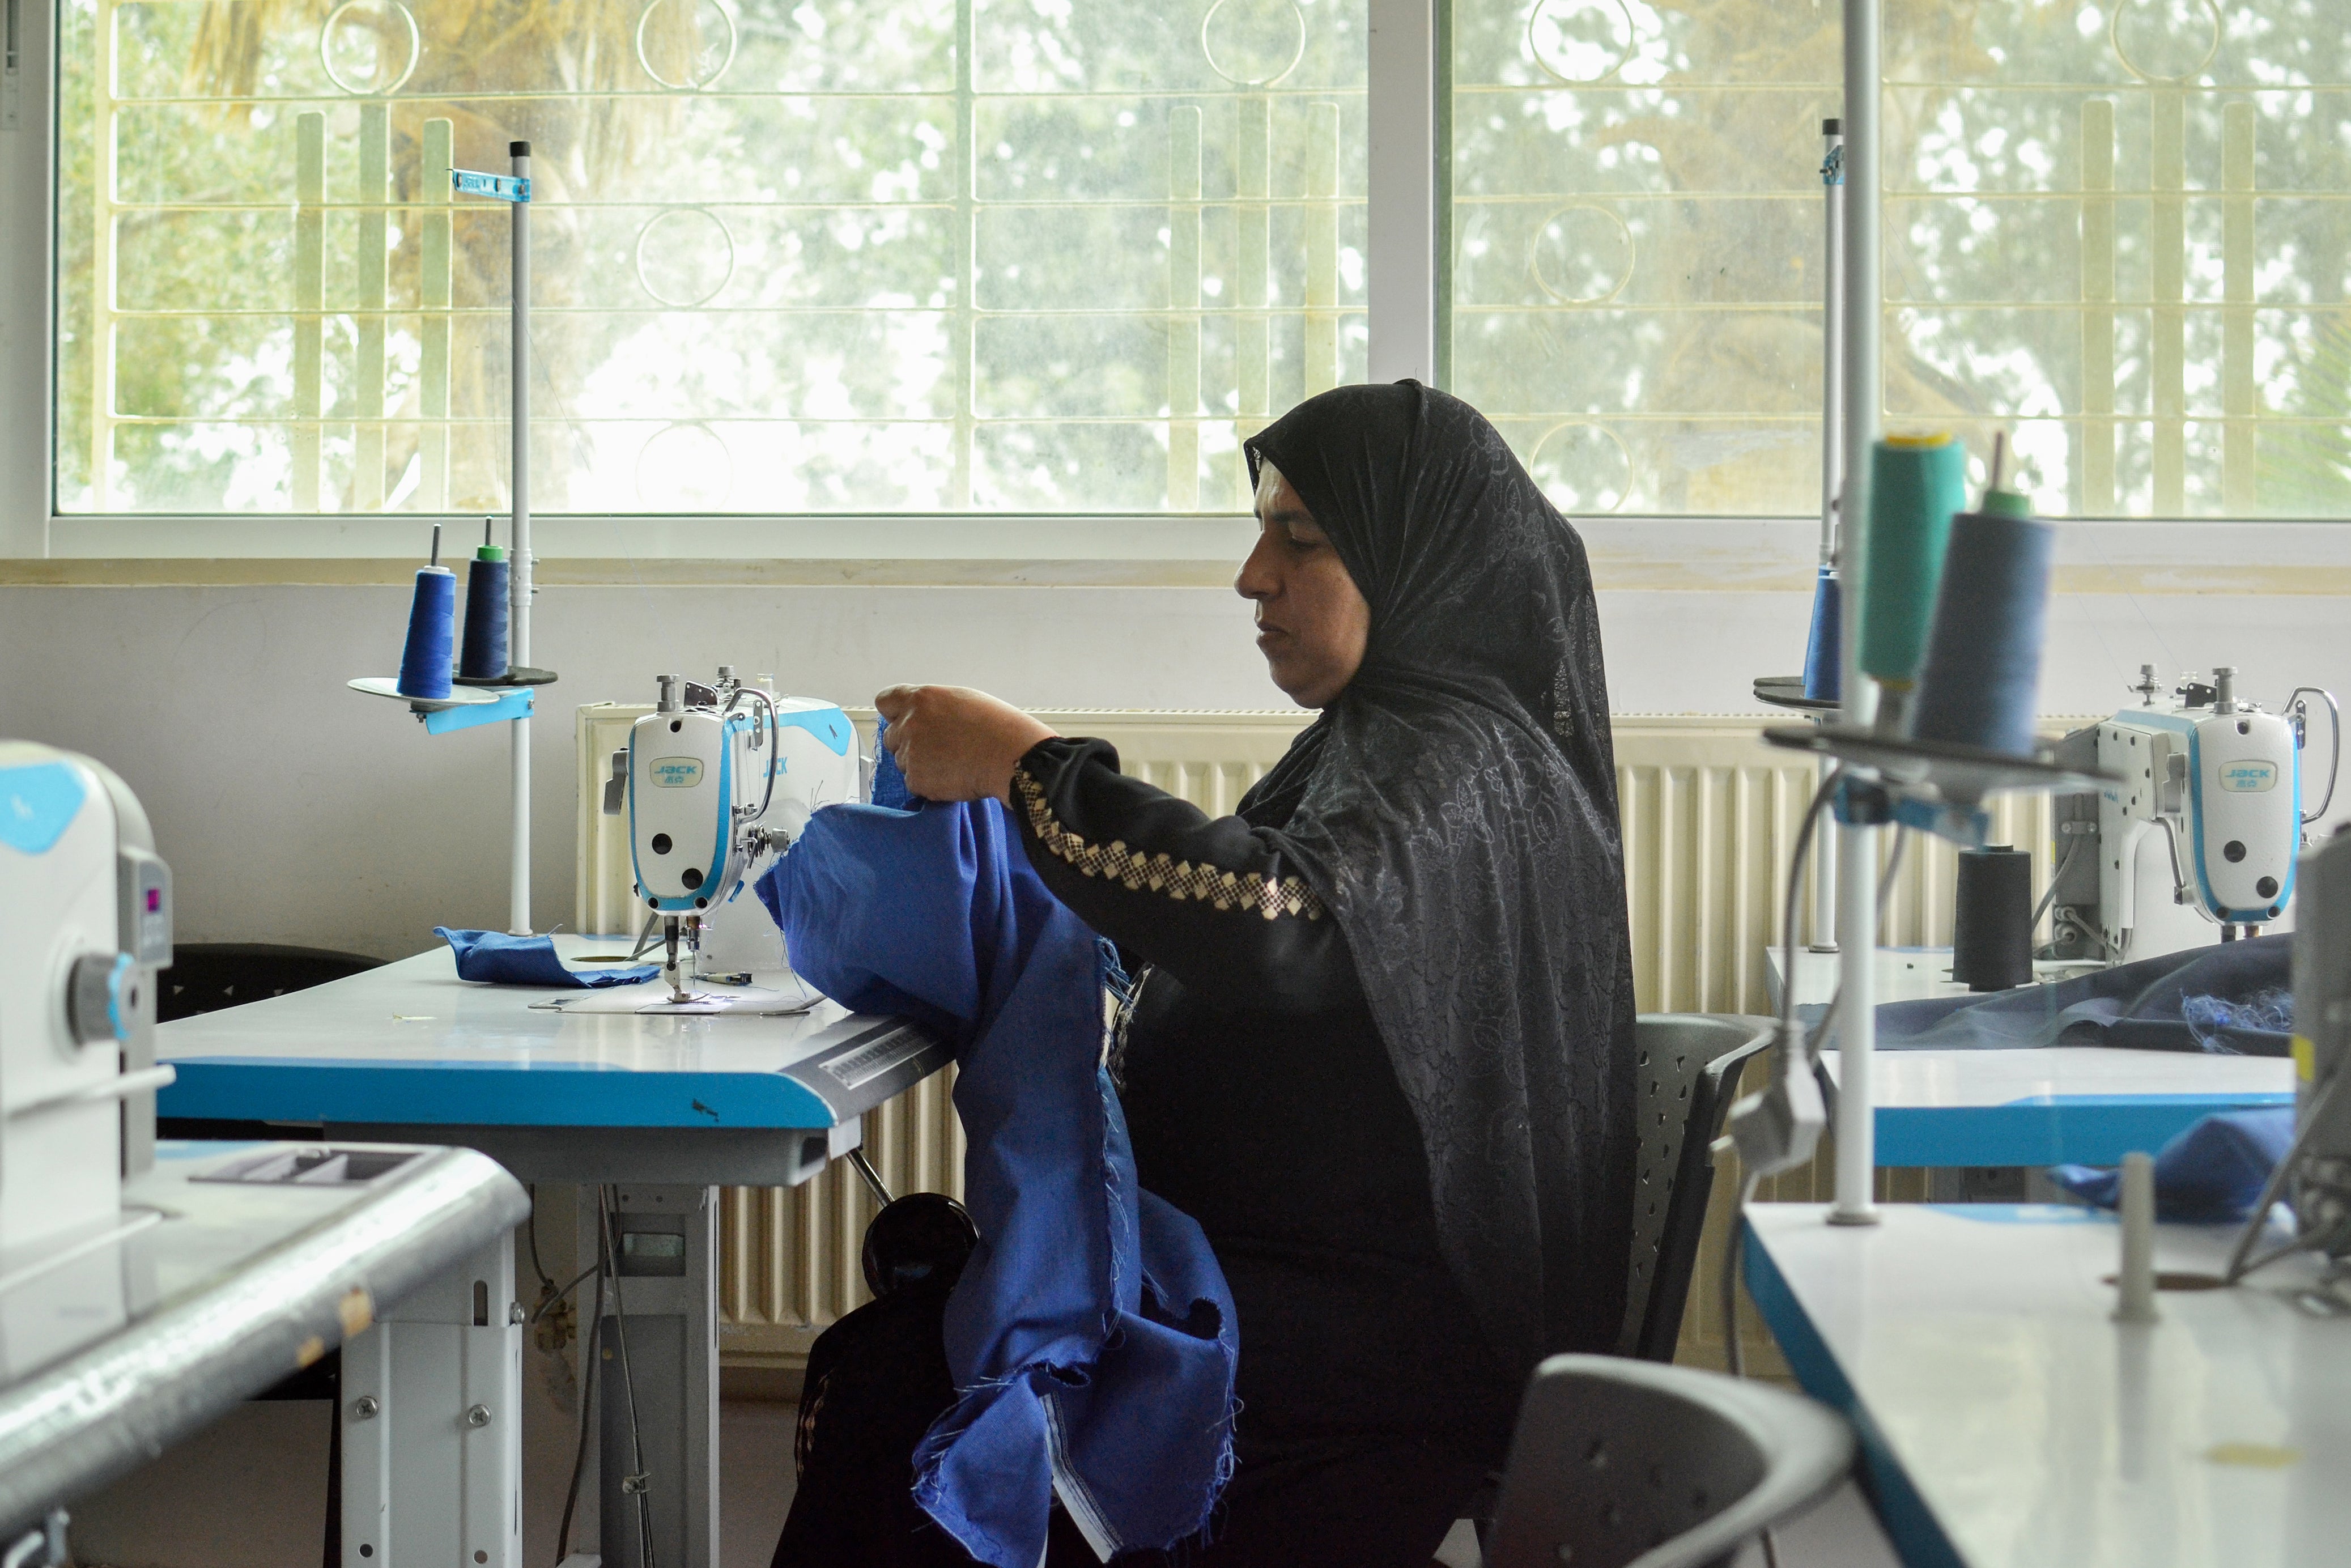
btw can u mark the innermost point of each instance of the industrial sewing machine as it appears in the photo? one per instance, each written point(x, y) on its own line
point(2198, 843)
point(714, 780)
point(85, 922)
point(145, 1288)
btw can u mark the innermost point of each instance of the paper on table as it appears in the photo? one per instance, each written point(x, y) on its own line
point(757, 1001)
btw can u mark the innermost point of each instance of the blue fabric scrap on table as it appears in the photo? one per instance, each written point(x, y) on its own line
point(504, 960)
point(2221, 999)
point(1092, 1336)
point(2212, 1170)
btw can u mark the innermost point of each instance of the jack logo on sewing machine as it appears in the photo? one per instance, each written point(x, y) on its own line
point(2248, 777)
point(675, 772)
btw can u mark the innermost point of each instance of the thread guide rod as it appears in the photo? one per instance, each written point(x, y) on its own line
point(518, 612)
point(1825, 859)
point(1856, 849)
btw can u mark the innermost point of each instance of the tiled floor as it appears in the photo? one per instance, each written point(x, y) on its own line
point(251, 1493)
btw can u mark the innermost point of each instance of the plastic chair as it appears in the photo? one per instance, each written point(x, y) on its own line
point(1627, 1464)
point(206, 977)
point(1688, 1075)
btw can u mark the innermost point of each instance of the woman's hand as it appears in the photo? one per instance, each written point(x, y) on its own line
point(955, 744)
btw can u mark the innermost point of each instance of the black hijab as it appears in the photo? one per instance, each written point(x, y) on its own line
point(1456, 807)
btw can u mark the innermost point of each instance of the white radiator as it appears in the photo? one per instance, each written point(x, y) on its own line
point(1710, 816)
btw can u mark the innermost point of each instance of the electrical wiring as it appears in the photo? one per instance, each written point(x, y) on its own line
point(2049, 894)
point(589, 1354)
point(635, 1483)
point(530, 1229)
point(2239, 1264)
point(551, 1298)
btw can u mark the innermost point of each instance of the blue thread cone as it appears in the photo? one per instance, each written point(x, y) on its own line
point(484, 657)
point(432, 629)
point(1981, 682)
point(1824, 648)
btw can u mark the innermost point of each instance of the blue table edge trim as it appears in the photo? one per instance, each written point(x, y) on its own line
point(565, 1094)
point(1916, 1535)
point(2047, 1129)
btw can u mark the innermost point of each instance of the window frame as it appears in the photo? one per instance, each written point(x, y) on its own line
point(1407, 222)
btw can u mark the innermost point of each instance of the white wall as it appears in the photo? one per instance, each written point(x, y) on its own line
point(294, 810)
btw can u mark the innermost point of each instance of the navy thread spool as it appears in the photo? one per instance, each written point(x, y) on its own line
point(1992, 922)
point(1824, 647)
point(1981, 679)
point(484, 654)
point(432, 632)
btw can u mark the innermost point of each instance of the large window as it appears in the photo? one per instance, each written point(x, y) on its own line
point(1060, 257)
point(869, 255)
point(2122, 231)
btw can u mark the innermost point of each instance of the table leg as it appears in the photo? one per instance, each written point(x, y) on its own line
point(657, 1374)
point(430, 1414)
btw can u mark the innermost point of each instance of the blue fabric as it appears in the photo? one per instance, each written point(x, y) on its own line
point(889, 783)
point(2216, 999)
point(504, 960)
point(1092, 1336)
point(2212, 1171)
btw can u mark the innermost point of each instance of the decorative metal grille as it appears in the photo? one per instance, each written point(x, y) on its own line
point(2121, 231)
point(813, 255)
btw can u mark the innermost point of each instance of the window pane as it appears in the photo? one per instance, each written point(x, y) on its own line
point(2122, 233)
point(788, 255)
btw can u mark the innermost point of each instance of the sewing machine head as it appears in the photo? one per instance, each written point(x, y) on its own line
point(716, 778)
point(85, 922)
point(2201, 838)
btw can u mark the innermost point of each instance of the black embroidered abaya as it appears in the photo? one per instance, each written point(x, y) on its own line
point(1381, 1047)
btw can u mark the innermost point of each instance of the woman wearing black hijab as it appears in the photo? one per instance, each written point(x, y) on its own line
point(1381, 1045)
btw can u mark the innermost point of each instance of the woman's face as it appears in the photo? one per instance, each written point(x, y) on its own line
point(1312, 623)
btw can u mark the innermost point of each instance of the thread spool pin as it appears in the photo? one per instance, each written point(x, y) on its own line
point(2134, 1277)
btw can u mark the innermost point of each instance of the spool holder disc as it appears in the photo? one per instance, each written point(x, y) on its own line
point(1939, 771)
point(389, 686)
point(1788, 692)
point(517, 675)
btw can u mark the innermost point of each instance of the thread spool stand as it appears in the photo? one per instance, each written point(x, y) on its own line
point(503, 699)
point(1937, 774)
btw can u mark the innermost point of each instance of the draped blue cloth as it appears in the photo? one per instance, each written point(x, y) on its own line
point(2205, 999)
point(498, 960)
point(2211, 1170)
point(1092, 1336)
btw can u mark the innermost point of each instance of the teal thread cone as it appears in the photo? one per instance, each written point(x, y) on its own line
point(1916, 484)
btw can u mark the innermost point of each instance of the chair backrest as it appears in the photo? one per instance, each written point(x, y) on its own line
point(206, 977)
point(1688, 1073)
point(1628, 1464)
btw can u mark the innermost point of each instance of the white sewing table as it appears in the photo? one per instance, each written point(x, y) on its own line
point(231, 1266)
point(2005, 1421)
point(2053, 1105)
point(653, 1110)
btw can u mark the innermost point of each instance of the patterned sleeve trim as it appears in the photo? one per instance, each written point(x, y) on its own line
point(1137, 870)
